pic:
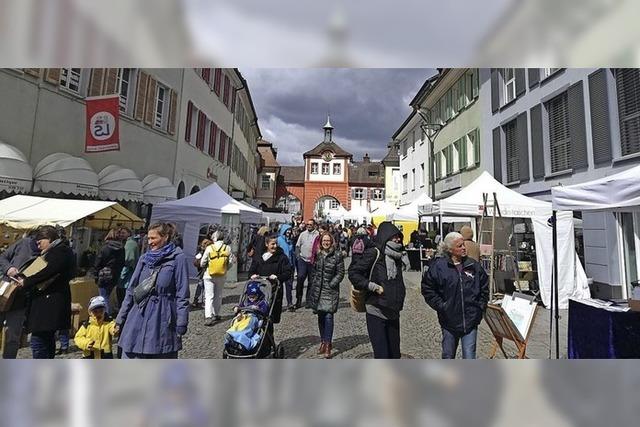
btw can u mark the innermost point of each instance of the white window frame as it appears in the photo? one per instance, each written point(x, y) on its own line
point(547, 72)
point(126, 100)
point(314, 168)
point(334, 204)
point(377, 194)
point(161, 107)
point(405, 183)
point(326, 169)
point(68, 80)
point(422, 175)
point(509, 85)
point(413, 179)
point(268, 182)
point(358, 193)
point(337, 168)
point(395, 176)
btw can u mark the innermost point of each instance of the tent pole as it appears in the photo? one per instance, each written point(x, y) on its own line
point(556, 288)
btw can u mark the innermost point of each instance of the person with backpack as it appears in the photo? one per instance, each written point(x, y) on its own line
point(215, 260)
point(378, 272)
point(359, 242)
point(109, 264)
point(286, 244)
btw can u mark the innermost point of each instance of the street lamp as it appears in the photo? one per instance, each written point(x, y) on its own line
point(431, 130)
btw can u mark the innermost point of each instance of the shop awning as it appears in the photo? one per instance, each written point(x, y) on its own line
point(29, 211)
point(157, 189)
point(63, 173)
point(16, 174)
point(117, 183)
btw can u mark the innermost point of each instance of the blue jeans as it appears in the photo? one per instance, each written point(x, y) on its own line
point(325, 326)
point(450, 344)
point(43, 344)
point(63, 336)
point(105, 292)
point(172, 355)
point(288, 288)
point(384, 335)
point(304, 270)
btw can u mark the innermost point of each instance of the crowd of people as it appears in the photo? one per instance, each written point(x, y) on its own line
point(153, 297)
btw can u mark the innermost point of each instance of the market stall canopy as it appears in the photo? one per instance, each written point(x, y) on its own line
point(619, 192)
point(30, 211)
point(63, 173)
point(357, 213)
point(276, 217)
point(385, 210)
point(118, 183)
point(16, 174)
point(336, 214)
point(469, 202)
point(157, 189)
point(410, 212)
point(206, 207)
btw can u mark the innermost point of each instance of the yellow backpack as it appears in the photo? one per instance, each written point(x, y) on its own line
point(218, 261)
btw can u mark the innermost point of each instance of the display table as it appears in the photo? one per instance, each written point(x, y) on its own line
point(596, 333)
point(82, 290)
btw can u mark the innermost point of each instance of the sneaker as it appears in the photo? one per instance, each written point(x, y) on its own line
point(209, 322)
point(291, 308)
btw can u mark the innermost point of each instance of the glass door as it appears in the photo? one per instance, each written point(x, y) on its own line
point(631, 249)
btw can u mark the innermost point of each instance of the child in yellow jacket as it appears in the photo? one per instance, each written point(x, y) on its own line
point(95, 335)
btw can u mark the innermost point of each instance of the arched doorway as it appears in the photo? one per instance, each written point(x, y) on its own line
point(325, 206)
point(289, 204)
point(194, 190)
point(180, 194)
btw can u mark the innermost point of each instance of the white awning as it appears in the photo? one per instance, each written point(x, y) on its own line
point(117, 183)
point(29, 211)
point(16, 174)
point(157, 189)
point(63, 173)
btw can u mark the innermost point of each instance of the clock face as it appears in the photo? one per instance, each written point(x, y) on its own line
point(327, 156)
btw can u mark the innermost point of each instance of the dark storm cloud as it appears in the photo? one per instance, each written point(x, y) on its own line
point(367, 106)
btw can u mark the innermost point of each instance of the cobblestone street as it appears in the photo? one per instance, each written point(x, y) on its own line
point(298, 331)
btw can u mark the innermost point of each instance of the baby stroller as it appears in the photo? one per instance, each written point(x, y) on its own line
point(262, 327)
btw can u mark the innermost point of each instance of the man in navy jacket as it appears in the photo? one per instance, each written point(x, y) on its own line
point(457, 288)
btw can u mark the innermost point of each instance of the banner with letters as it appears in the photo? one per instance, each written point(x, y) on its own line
point(102, 128)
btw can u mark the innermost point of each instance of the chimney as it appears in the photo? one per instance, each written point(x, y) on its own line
point(366, 159)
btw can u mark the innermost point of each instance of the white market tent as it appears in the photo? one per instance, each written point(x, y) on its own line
point(338, 214)
point(619, 192)
point(410, 212)
point(358, 213)
point(572, 280)
point(385, 210)
point(24, 212)
point(276, 217)
point(204, 207)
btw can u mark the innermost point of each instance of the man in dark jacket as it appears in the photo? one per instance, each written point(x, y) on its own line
point(11, 262)
point(108, 266)
point(456, 286)
point(379, 272)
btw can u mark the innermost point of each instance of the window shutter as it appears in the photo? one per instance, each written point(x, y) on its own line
point(149, 109)
point(229, 149)
point(173, 113)
point(141, 95)
point(52, 75)
point(96, 82)
point(495, 93)
point(223, 138)
point(35, 72)
point(600, 127)
point(523, 147)
point(537, 146)
point(216, 80)
point(628, 88)
point(521, 85)
point(559, 137)
point(111, 81)
point(534, 76)
point(200, 130)
point(577, 131)
point(511, 150)
point(187, 132)
point(227, 89)
point(233, 100)
point(497, 155)
point(213, 137)
point(476, 146)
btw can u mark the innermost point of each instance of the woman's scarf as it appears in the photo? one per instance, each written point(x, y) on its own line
point(393, 254)
point(152, 258)
point(266, 256)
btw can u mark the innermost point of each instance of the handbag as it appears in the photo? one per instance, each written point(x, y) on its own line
point(144, 289)
point(357, 297)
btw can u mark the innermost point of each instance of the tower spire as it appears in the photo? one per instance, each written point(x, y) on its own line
point(328, 130)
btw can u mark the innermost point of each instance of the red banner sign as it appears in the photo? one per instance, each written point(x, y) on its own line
point(102, 129)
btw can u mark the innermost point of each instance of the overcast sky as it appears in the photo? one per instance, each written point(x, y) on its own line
point(367, 106)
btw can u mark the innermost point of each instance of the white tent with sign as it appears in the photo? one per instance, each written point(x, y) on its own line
point(358, 213)
point(410, 212)
point(211, 205)
point(468, 202)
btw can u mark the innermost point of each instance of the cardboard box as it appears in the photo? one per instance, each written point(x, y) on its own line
point(7, 294)
point(634, 304)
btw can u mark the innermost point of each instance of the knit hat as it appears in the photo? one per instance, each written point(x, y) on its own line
point(361, 231)
point(253, 288)
point(97, 302)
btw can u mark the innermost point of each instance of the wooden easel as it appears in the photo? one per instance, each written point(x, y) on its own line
point(481, 232)
point(503, 328)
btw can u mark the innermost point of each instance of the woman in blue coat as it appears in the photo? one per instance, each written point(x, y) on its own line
point(285, 242)
point(153, 328)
